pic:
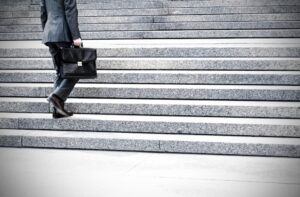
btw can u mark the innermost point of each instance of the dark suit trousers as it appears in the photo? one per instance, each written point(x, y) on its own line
point(62, 87)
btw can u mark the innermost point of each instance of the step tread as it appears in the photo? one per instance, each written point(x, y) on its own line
point(169, 119)
point(147, 136)
point(161, 42)
point(158, 102)
point(161, 72)
point(160, 86)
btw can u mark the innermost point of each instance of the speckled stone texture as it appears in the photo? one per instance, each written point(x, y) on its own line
point(165, 77)
point(231, 148)
point(283, 93)
point(174, 125)
point(10, 141)
point(209, 51)
point(166, 64)
point(150, 143)
point(267, 33)
point(19, 106)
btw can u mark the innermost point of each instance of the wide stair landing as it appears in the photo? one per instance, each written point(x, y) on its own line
point(212, 96)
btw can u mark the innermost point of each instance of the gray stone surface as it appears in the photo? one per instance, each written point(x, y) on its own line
point(113, 5)
point(175, 34)
point(164, 64)
point(187, 109)
point(159, 107)
point(10, 141)
point(22, 90)
point(189, 92)
point(20, 105)
point(230, 3)
point(26, 64)
point(163, 26)
point(244, 50)
point(200, 63)
point(83, 20)
point(233, 17)
point(170, 125)
point(258, 146)
point(211, 92)
point(234, 10)
point(54, 141)
point(166, 77)
point(271, 33)
point(166, 11)
point(113, 144)
point(105, 12)
point(230, 148)
point(8, 123)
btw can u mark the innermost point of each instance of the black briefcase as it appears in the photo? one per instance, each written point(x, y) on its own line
point(78, 63)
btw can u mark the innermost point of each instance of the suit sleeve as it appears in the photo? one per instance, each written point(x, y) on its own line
point(72, 18)
point(43, 13)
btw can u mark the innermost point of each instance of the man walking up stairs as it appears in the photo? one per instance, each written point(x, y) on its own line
point(209, 77)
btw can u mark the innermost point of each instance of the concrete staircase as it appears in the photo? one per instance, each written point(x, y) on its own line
point(236, 92)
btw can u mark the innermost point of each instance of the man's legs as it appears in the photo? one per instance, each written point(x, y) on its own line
point(62, 87)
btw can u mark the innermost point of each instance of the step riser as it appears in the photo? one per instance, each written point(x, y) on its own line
point(229, 3)
point(164, 64)
point(160, 93)
point(276, 150)
point(155, 109)
point(151, 127)
point(186, 34)
point(168, 52)
point(162, 26)
point(152, 78)
point(166, 11)
point(156, 4)
point(166, 19)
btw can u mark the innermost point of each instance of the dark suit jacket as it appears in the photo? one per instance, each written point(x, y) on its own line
point(59, 20)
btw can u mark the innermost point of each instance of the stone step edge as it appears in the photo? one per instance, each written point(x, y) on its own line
point(255, 146)
point(157, 107)
point(154, 124)
point(161, 86)
point(169, 42)
point(155, 119)
point(225, 103)
point(207, 72)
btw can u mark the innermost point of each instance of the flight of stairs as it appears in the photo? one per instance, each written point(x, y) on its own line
point(202, 76)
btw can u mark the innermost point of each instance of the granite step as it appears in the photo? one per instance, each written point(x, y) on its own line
point(225, 3)
point(180, 34)
point(165, 11)
point(164, 26)
point(166, 19)
point(37, 2)
point(291, 50)
point(154, 4)
point(119, 12)
point(244, 2)
point(258, 146)
point(154, 124)
point(198, 108)
point(255, 64)
point(227, 17)
point(163, 77)
point(176, 4)
point(159, 91)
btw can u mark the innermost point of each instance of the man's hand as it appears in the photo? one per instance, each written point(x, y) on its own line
point(77, 42)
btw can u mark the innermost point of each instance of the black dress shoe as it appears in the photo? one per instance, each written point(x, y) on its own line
point(58, 104)
point(56, 115)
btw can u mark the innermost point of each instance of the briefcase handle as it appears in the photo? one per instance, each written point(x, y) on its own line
point(73, 46)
